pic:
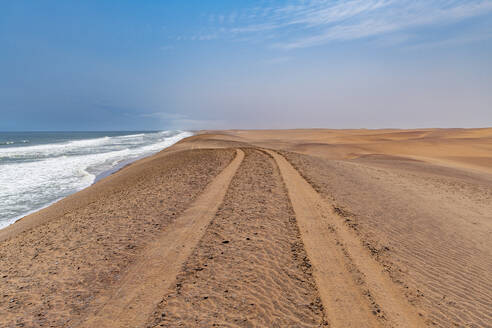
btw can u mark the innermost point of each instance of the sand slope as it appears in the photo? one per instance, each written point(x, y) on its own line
point(131, 301)
point(51, 273)
point(339, 228)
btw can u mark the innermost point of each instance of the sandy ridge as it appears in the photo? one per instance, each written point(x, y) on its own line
point(322, 232)
point(132, 302)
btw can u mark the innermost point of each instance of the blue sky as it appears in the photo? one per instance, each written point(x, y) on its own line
point(132, 65)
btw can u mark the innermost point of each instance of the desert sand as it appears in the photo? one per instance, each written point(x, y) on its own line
point(267, 228)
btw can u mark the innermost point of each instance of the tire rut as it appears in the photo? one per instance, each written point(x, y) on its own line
point(132, 301)
point(353, 287)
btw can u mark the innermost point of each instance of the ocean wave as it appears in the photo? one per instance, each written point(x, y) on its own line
point(83, 146)
point(130, 136)
point(10, 142)
point(48, 150)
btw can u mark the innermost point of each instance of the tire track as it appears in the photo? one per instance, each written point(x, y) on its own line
point(250, 268)
point(131, 302)
point(338, 257)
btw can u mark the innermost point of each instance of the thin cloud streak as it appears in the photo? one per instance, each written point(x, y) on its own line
point(312, 23)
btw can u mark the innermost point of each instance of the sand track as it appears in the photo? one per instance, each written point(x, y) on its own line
point(428, 225)
point(337, 256)
point(132, 300)
point(250, 268)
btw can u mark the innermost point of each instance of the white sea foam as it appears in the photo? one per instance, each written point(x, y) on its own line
point(33, 176)
point(50, 150)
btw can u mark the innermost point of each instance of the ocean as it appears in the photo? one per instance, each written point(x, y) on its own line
point(39, 168)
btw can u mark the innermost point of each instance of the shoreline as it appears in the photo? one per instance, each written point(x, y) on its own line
point(92, 236)
point(118, 167)
point(229, 137)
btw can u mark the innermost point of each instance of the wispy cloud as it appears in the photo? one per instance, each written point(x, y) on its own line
point(302, 24)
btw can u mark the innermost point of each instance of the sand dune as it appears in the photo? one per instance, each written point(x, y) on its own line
point(339, 228)
point(465, 148)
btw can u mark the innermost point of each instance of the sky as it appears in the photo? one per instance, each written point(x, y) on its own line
point(176, 64)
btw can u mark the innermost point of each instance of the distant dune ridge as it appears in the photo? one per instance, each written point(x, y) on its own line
point(270, 228)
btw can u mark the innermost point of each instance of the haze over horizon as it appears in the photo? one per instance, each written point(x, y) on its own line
point(106, 65)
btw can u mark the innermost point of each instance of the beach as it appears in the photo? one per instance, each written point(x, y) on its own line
point(267, 228)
